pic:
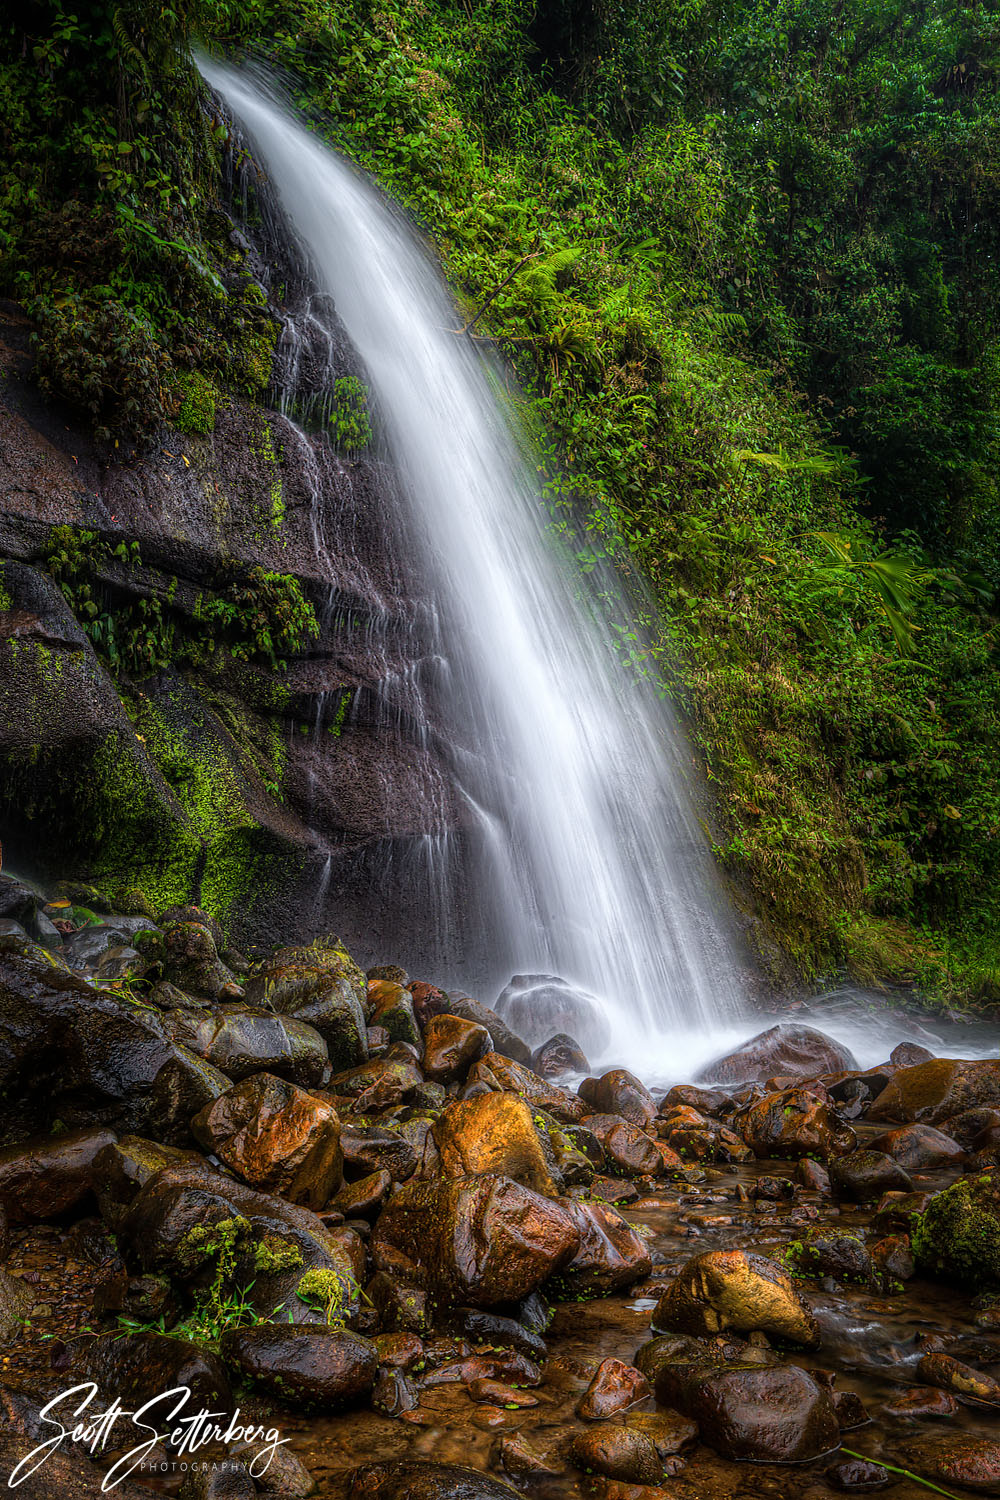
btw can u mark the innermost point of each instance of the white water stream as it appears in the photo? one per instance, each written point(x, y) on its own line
point(591, 861)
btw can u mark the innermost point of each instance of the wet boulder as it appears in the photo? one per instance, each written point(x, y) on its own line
point(80, 1055)
point(611, 1254)
point(909, 1054)
point(932, 1091)
point(858, 1476)
point(475, 1241)
point(276, 1137)
point(505, 1041)
point(863, 1176)
point(493, 1133)
point(615, 1387)
point(124, 1166)
point(968, 1126)
point(786, 1051)
point(321, 985)
point(957, 1236)
point(239, 1041)
point(391, 1007)
point(828, 1251)
point(971, 1463)
point(191, 962)
point(371, 1148)
point(451, 1046)
point(379, 1084)
point(738, 1290)
point(416, 1479)
point(536, 1005)
point(618, 1452)
point(142, 1365)
point(793, 1123)
point(748, 1408)
point(559, 1055)
point(501, 1073)
point(920, 1148)
point(620, 1093)
point(630, 1150)
point(48, 1175)
point(319, 1369)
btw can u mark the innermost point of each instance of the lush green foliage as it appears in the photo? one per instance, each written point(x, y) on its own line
point(744, 259)
point(251, 614)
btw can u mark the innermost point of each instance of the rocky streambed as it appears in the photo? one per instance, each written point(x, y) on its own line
point(400, 1255)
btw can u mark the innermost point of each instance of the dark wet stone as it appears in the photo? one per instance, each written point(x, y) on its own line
point(497, 1331)
point(611, 1254)
point(630, 1149)
point(320, 1369)
point(832, 1252)
point(392, 1393)
point(560, 1054)
point(240, 1041)
point(967, 1127)
point(858, 1476)
point(191, 961)
point(364, 1198)
point(49, 1175)
point(620, 1093)
point(765, 1413)
point(784, 1050)
point(950, 1374)
point(909, 1054)
point(370, 1149)
point(473, 1240)
point(401, 1307)
point(122, 1168)
point(851, 1410)
point(141, 1365)
point(619, 1452)
point(793, 1123)
point(615, 1387)
point(505, 1041)
point(228, 1480)
point(414, 1479)
point(919, 1402)
point(863, 1176)
point(501, 1073)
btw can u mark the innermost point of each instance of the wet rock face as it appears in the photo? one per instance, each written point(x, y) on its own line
point(479, 1241)
point(321, 986)
point(320, 1369)
point(499, 1072)
point(611, 1254)
point(493, 1133)
point(784, 1051)
point(738, 1290)
point(793, 1124)
point(277, 1137)
point(615, 1387)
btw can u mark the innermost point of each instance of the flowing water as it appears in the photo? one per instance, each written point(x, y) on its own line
point(587, 858)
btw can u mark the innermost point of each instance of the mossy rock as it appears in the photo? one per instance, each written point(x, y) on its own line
point(957, 1237)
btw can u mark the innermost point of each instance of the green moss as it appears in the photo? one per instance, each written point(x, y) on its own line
point(326, 1289)
point(272, 1255)
point(958, 1235)
point(196, 398)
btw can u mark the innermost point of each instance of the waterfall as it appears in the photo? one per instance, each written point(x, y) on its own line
point(585, 857)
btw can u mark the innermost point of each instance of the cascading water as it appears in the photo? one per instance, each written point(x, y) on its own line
point(582, 846)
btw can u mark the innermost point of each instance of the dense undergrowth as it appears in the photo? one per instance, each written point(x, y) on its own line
point(743, 258)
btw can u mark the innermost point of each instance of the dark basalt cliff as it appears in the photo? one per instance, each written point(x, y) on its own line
point(260, 791)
